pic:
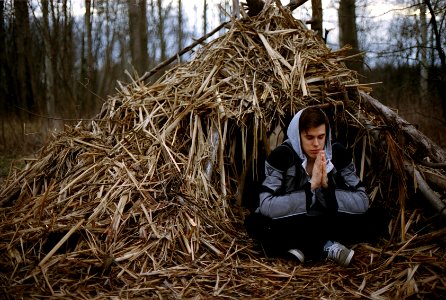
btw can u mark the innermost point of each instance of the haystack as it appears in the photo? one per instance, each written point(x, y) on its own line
point(145, 201)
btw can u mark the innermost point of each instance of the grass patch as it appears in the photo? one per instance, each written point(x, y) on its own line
point(18, 140)
point(5, 164)
point(7, 161)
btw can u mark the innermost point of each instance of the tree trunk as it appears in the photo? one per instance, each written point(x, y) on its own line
point(50, 105)
point(423, 50)
point(316, 22)
point(135, 48)
point(205, 17)
point(153, 21)
point(437, 35)
point(88, 99)
point(348, 33)
point(67, 57)
point(138, 34)
point(441, 54)
point(89, 38)
point(161, 33)
point(3, 69)
point(22, 63)
point(143, 35)
point(236, 9)
point(104, 78)
point(180, 27)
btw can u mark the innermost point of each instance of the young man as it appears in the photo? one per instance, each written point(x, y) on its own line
point(311, 199)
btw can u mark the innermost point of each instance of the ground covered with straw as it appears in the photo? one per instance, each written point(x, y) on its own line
point(147, 199)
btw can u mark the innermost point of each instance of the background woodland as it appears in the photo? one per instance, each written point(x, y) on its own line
point(57, 66)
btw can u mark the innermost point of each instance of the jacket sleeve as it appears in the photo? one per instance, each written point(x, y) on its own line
point(350, 194)
point(275, 200)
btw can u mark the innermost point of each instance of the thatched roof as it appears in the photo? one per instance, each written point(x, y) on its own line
point(144, 201)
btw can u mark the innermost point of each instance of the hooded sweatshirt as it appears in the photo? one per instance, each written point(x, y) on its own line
point(286, 188)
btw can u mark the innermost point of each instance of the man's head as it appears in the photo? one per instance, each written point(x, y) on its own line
point(313, 125)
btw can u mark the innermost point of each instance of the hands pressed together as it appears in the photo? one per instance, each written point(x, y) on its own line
point(319, 175)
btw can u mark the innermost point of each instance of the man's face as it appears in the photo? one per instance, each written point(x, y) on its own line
point(313, 141)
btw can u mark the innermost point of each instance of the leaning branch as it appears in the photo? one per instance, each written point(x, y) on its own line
point(427, 192)
point(184, 50)
point(421, 141)
point(417, 138)
point(295, 4)
point(433, 165)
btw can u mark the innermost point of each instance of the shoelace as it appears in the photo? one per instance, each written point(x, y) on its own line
point(334, 251)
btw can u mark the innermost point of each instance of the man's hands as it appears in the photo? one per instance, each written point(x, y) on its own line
point(319, 175)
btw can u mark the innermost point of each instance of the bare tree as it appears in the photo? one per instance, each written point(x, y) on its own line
point(438, 41)
point(180, 34)
point(423, 50)
point(236, 8)
point(50, 107)
point(137, 10)
point(67, 59)
point(113, 38)
point(437, 32)
point(317, 16)
point(2, 46)
point(205, 17)
point(3, 72)
point(143, 35)
point(23, 87)
point(348, 33)
point(161, 30)
point(87, 70)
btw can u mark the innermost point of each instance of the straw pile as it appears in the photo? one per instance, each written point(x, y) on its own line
point(142, 202)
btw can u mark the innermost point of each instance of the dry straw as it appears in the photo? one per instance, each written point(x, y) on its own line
point(144, 201)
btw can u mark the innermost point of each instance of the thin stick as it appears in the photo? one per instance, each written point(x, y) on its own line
point(60, 243)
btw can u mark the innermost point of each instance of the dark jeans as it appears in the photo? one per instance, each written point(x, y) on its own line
point(310, 233)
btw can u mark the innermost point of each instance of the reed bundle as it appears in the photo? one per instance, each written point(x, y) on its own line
point(144, 201)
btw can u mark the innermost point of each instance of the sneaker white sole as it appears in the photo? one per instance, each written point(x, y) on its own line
point(298, 254)
point(349, 258)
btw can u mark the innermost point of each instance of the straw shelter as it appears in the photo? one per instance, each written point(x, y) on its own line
point(148, 199)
